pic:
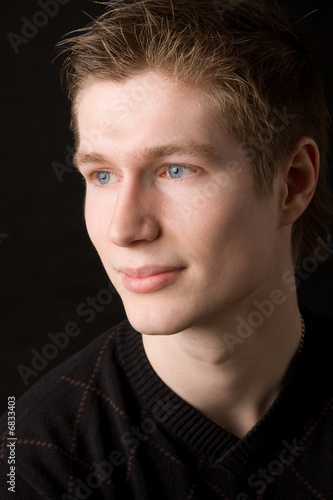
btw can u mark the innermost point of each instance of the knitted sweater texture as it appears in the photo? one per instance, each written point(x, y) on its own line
point(103, 425)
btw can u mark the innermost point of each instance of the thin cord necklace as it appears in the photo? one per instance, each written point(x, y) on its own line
point(302, 338)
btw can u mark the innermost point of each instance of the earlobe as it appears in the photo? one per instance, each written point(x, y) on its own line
point(300, 175)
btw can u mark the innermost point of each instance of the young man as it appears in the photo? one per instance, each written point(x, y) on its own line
point(201, 132)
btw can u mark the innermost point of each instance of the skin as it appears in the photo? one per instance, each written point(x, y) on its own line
point(231, 246)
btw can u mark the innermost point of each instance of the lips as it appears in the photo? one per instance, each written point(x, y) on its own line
point(150, 278)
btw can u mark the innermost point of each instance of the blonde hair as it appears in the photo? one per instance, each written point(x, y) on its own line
point(260, 78)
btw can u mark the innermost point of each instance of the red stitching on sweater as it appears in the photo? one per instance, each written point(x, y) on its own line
point(45, 444)
point(310, 431)
point(212, 485)
point(99, 393)
point(74, 382)
point(170, 457)
point(191, 493)
point(86, 465)
point(129, 464)
point(114, 406)
point(167, 454)
point(80, 409)
point(216, 489)
point(307, 484)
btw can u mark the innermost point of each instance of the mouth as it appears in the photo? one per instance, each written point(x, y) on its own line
point(149, 279)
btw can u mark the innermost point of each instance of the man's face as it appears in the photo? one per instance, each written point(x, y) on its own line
point(171, 205)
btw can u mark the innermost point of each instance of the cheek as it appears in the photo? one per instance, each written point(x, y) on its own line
point(225, 229)
point(212, 220)
point(96, 222)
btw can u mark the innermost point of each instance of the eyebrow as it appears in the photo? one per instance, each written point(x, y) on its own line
point(186, 147)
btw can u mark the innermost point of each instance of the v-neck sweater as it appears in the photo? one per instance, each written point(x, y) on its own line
point(103, 425)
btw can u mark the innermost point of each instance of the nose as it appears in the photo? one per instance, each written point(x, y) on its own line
point(134, 215)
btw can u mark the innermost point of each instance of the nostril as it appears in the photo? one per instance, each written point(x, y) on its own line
point(128, 226)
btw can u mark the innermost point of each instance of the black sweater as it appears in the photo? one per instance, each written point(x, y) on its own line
point(103, 425)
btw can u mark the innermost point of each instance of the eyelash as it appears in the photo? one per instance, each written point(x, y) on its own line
point(92, 177)
point(184, 166)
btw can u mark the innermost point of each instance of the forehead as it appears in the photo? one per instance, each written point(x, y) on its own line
point(145, 96)
point(146, 111)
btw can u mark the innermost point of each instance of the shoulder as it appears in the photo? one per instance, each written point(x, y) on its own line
point(57, 418)
point(96, 360)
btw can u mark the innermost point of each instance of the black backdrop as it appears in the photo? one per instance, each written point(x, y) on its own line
point(51, 277)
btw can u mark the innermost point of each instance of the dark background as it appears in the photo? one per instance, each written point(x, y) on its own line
point(48, 265)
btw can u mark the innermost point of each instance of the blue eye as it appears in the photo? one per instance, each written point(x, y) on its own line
point(103, 177)
point(175, 171)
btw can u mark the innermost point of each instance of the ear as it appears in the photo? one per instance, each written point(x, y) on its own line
point(299, 180)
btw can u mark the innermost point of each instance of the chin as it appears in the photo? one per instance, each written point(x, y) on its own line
point(155, 320)
point(152, 327)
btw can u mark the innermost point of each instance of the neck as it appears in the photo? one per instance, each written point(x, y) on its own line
point(246, 366)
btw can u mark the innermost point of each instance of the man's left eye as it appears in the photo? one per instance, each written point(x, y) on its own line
point(103, 177)
point(178, 171)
